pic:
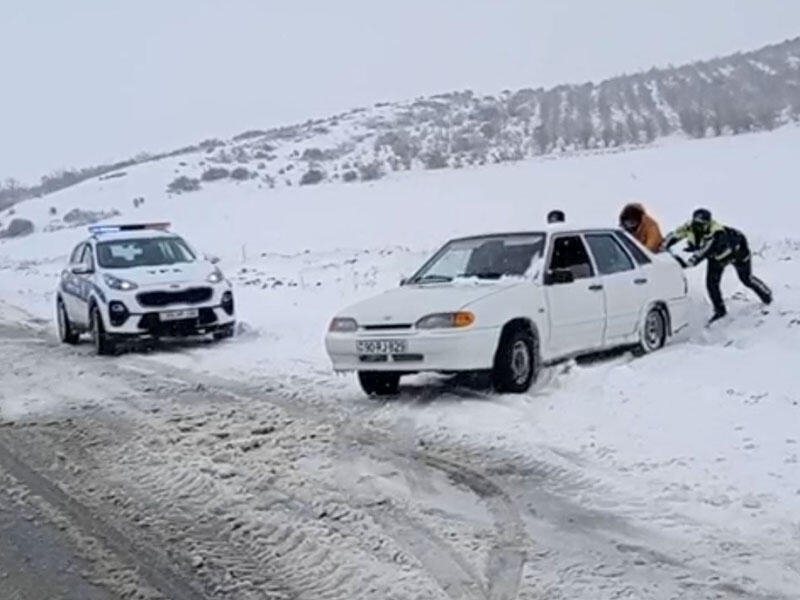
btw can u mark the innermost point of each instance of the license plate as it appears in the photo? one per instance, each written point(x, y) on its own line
point(177, 315)
point(381, 346)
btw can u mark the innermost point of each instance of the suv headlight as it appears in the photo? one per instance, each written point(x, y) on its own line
point(115, 283)
point(216, 276)
point(343, 325)
point(448, 320)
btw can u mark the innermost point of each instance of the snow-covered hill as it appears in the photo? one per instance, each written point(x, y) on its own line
point(741, 93)
point(697, 444)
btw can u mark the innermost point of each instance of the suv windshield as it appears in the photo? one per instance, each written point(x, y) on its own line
point(490, 257)
point(145, 252)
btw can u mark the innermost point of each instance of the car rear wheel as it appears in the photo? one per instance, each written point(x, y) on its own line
point(515, 364)
point(654, 332)
point(103, 346)
point(379, 384)
point(66, 333)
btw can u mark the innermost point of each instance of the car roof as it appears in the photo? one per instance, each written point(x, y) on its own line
point(551, 229)
point(142, 234)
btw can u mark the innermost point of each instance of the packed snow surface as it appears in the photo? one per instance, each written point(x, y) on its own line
point(700, 442)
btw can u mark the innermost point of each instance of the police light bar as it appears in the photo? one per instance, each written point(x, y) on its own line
point(97, 229)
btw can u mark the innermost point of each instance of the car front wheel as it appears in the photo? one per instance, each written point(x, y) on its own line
point(379, 384)
point(66, 333)
point(515, 363)
point(103, 346)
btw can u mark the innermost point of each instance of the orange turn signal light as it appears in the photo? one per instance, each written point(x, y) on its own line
point(463, 319)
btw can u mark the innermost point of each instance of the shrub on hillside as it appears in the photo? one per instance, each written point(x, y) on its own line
point(215, 174)
point(312, 177)
point(435, 160)
point(17, 228)
point(240, 174)
point(371, 171)
point(183, 184)
point(349, 176)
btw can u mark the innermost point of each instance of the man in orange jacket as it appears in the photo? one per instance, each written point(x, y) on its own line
point(642, 226)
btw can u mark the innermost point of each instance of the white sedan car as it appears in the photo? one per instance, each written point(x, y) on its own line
point(127, 282)
point(510, 303)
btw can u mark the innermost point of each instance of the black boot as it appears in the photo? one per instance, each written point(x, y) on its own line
point(718, 314)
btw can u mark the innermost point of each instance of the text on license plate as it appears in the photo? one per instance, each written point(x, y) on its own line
point(381, 346)
point(176, 315)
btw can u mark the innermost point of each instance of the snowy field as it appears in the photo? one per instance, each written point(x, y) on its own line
point(698, 444)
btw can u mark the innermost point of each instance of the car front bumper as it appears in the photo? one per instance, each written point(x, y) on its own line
point(434, 350)
point(140, 321)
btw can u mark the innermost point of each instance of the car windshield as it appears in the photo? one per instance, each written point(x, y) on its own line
point(144, 252)
point(491, 257)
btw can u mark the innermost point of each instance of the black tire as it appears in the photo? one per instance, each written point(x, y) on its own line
point(66, 333)
point(654, 332)
point(103, 345)
point(516, 362)
point(224, 333)
point(379, 384)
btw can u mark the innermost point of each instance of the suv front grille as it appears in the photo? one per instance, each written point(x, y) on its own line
point(387, 326)
point(188, 296)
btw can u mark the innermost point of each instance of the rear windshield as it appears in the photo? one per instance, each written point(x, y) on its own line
point(145, 252)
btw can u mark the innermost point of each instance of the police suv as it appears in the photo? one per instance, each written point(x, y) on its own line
point(140, 281)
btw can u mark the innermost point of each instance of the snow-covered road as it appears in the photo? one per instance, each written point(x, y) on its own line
point(263, 488)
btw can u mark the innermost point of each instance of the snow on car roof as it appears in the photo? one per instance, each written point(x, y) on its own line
point(553, 228)
point(139, 234)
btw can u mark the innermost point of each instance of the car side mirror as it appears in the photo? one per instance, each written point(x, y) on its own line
point(558, 277)
point(81, 270)
point(212, 259)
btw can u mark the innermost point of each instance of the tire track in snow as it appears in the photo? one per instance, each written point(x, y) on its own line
point(507, 554)
point(153, 566)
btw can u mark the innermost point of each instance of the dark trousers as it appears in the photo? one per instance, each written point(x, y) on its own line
point(744, 269)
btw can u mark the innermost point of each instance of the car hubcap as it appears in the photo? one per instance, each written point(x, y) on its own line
point(654, 330)
point(520, 362)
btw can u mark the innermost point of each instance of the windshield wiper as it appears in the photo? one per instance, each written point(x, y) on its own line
point(433, 279)
point(484, 275)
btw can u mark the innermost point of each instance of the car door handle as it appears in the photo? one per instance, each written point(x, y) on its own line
point(595, 287)
point(640, 281)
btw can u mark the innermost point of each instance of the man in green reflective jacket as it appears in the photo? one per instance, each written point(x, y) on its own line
point(720, 246)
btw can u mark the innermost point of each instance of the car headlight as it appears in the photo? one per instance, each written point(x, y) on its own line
point(343, 325)
point(115, 283)
point(215, 277)
point(448, 320)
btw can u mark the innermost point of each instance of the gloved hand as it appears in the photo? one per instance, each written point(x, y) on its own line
point(692, 261)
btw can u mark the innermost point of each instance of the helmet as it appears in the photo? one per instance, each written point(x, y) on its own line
point(701, 216)
point(556, 216)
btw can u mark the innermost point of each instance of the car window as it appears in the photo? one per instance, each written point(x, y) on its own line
point(569, 253)
point(638, 254)
point(143, 252)
point(608, 254)
point(75, 257)
point(490, 257)
point(86, 257)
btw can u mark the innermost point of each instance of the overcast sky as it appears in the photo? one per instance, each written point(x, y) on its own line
point(86, 81)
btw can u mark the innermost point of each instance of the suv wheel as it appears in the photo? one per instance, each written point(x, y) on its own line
point(103, 346)
point(379, 384)
point(65, 332)
point(515, 365)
